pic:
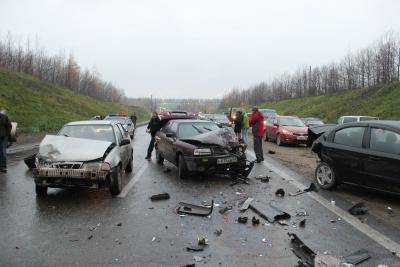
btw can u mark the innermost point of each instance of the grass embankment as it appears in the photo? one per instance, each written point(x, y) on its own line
point(382, 102)
point(40, 106)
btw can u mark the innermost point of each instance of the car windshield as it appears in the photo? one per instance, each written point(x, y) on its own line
point(121, 120)
point(285, 121)
point(315, 122)
point(95, 132)
point(188, 130)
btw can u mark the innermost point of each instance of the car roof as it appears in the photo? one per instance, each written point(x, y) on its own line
point(188, 120)
point(393, 124)
point(92, 122)
point(358, 116)
point(293, 117)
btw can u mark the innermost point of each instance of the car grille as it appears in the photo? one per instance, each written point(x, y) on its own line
point(218, 151)
point(71, 173)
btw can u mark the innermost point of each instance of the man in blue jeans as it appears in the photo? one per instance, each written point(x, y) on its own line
point(5, 131)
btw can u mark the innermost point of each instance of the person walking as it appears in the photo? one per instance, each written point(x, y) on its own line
point(245, 128)
point(134, 119)
point(257, 124)
point(152, 128)
point(238, 124)
point(5, 131)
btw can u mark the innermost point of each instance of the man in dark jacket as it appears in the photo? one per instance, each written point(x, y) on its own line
point(5, 131)
point(153, 127)
point(134, 119)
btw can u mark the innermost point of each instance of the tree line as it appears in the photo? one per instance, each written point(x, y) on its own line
point(376, 64)
point(56, 69)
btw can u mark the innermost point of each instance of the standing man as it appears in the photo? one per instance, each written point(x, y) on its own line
point(5, 131)
point(134, 119)
point(245, 127)
point(257, 123)
point(152, 128)
point(238, 124)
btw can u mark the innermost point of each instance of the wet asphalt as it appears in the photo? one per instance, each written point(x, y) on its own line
point(89, 227)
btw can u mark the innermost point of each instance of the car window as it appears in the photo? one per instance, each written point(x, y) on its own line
point(385, 141)
point(174, 127)
point(349, 119)
point(95, 132)
point(367, 118)
point(286, 121)
point(119, 134)
point(187, 130)
point(352, 136)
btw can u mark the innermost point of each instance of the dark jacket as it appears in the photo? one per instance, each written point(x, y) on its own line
point(154, 126)
point(238, 121)
point(5, 126)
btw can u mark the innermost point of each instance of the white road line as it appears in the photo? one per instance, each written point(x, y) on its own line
point(132, 182)
point(378, 237)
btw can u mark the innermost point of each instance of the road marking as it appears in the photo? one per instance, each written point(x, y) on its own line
point(132, 182)
point(378, 237)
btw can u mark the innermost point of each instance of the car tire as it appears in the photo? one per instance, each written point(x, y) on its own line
point(41, 191)
point(182, 168)
point(159, 157)
point(278, 140)
point(116, 183)
point(325, 176)
point(129, 167)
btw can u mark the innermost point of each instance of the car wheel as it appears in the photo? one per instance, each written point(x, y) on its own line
point(278, 140)
point(116, 183)
point(159, 157)
point(132, 135)
point(182, 168)
point(41, 191)
point(129, 167)
point(325, 176)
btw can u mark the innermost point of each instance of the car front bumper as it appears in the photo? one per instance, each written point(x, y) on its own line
point(66, 178)
point(294, 139)
point(211, 164)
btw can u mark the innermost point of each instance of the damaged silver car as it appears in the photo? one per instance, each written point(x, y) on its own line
point(91, 154)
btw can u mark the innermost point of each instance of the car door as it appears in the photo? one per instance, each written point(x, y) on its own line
point(382, 166)
point(346, 151)
point(165, 141)
point(124, 149)
point(171, 136)
point(273, 128)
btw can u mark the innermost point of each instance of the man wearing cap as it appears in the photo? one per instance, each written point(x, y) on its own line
point(5, 131)
point(256, 122)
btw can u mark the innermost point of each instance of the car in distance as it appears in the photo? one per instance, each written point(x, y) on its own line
point(310, 121)
point(286, 130)
point(126, 122)
point(91, 154)
point(198, 146)
point(220, 119)
point(365, 154)
point(348, 119)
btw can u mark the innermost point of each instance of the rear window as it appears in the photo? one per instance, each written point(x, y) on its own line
point(352, 136)
point(188, 130)
point(385, 141)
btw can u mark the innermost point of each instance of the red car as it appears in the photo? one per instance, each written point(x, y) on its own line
point(286, 130)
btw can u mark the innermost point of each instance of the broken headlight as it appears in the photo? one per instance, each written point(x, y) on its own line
point(202, 152)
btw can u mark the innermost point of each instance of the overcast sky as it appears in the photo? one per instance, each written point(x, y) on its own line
point(199, 48)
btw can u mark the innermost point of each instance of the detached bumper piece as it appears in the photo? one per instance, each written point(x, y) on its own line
point(63, 178)
point(302, 251)
point(191, 209)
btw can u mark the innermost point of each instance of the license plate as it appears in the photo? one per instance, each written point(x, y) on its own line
point(226, 160)
point(302, 138)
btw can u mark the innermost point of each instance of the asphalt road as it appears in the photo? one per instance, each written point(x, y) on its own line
point(89, 227)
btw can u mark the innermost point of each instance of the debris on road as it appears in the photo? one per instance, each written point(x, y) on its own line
point(357, 257)
point(242, 220)
point(246, 204)
point(327, 261)
point(302, 251)
point(202, 240)
point(271, 152)
point(90, 237)
point(271, 213)
point(312, 188)
point(197, 259)
point(280, 192)
point(162, 196)
point(197, 210)
point(225, 209)
point(195, 248)
point(359, 209)
point(218, 232)
point(119, 224)
point(301, 212)
point(302, 223)
point(255, 221)
point(263, 178)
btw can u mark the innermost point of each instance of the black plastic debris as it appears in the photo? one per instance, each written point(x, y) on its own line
point(246, 204)
point(302, 223)
point(302, 251)
point(30, 161)
point(224, 210)
point(311, 188)
point(190, 265)
point(162, 196)
point(255, 221)
point(263, 178)
point(195, 248)
point(197, 210)
point(270, 213)
point(242, 220)
point(357, 257)
point(280, 192)
point(359, 209)
point(119, 224)
point(218, 232)
point(271, 152)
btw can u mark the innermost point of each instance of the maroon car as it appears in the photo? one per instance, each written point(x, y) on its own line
point(198, 146)
point(286, 130)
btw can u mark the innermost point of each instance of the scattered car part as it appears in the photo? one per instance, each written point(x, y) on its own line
point(255, 221)
point(242, 220)
point(197, 210)
point(280, 192)
point(359, 209)
point(218, 232)
point(357, 257)
point(302, 251)
point(201, 240)
point(195, 248)
point(162, 196)
point(246, 204)
point(271, 152)
point(310, 188)
point(301, 212)
point(30, 161)
point(225, 209)
point(271, 213)
point(302, 223)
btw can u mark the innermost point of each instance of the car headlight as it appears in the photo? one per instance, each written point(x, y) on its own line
point(265, 122)
point(286, 131)
point(96, 166)
point(202, 151)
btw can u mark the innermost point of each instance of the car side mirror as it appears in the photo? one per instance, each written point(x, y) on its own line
point(125, 142)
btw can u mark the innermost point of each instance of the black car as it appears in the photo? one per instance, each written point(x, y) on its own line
point(198, 146)
point(363, 153)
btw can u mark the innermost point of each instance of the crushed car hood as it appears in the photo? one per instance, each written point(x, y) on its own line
point(56, 148)
point(224, 137)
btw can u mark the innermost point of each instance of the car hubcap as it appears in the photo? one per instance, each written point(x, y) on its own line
point(324, 175)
